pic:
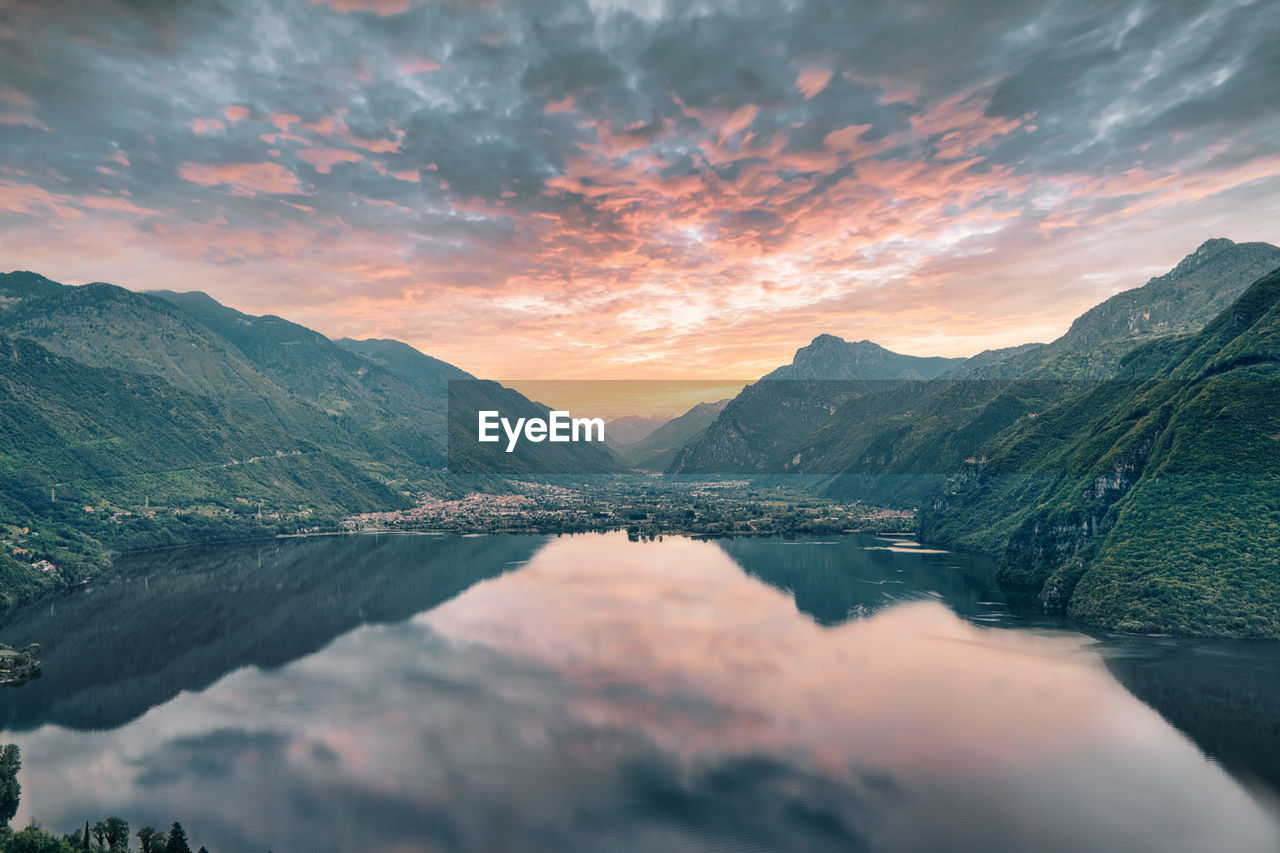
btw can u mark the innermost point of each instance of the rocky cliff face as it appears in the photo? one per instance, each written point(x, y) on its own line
point(1181, 301)
point(828, 357)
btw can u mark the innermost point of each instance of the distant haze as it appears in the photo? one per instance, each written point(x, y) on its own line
point(611, 399)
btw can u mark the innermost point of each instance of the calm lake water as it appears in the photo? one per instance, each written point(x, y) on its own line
point(405, 693)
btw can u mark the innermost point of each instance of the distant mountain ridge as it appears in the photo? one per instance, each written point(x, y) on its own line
point(1128, 472)
point(828, 357)
point(765, 421)
point(656, 450)
point(404, 361)
point(844, 435)
point(631, 428)
point(1181, 301)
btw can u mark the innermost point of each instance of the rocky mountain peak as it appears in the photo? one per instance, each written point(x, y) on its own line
point(1207, 251)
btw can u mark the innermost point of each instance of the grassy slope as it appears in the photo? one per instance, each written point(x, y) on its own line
point(117, 441)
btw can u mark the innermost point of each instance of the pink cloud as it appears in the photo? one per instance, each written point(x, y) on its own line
point(377, 146)
point(562, 106)
point(740, 120)
point(27, 198)
point(629, 266)
point(246, 179)
point(812, 81)
point(385, 8)
point(116, 204)
point(205, 126)
point(325, 158)
point(329, 125)
point(846, 139)
point(12, 96)
point(19, 120)
point(416, 65)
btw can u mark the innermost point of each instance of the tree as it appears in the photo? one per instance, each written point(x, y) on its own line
point(177, 841)
point(145, 835)
point(117, 833)
point(33, 839)
point(100, 834)
point(85, 846)
point(10, 764)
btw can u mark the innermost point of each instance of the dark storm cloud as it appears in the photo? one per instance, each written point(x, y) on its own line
point(1142, 84)
point(1102, 83)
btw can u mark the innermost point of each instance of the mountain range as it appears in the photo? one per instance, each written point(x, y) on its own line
point(657, 448)
point(1125, 472)
point(1151, 502)
point(1128, 472)
point(143, 419)
point(761, 427)
point(867, 427)
point(630, 429)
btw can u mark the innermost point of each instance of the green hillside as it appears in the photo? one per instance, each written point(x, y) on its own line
point(759, 430)
point(107, 326)
point(429, 375)
point(96, 459)
point(134, 420)
point(897, 446)
point(1145, 504)
point(103, 325)
point(387, 418)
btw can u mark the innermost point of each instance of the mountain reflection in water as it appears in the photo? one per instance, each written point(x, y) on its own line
point(654, 696)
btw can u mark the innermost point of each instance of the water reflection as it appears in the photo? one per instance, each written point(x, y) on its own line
point(181, 619)
point(839, 579)
point(653, 696)
point(1225, 694)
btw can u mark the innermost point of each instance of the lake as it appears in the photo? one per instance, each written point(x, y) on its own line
point(405, 693)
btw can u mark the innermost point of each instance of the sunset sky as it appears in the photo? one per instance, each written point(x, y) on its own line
point(614, 189)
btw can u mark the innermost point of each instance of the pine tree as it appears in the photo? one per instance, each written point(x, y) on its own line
point(177, 842)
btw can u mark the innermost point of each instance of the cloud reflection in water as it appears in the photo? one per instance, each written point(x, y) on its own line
point(653, 696)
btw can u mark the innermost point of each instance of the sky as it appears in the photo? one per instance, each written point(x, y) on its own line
point(620, 190)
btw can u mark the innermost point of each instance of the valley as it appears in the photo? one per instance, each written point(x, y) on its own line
point(1125, 473)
